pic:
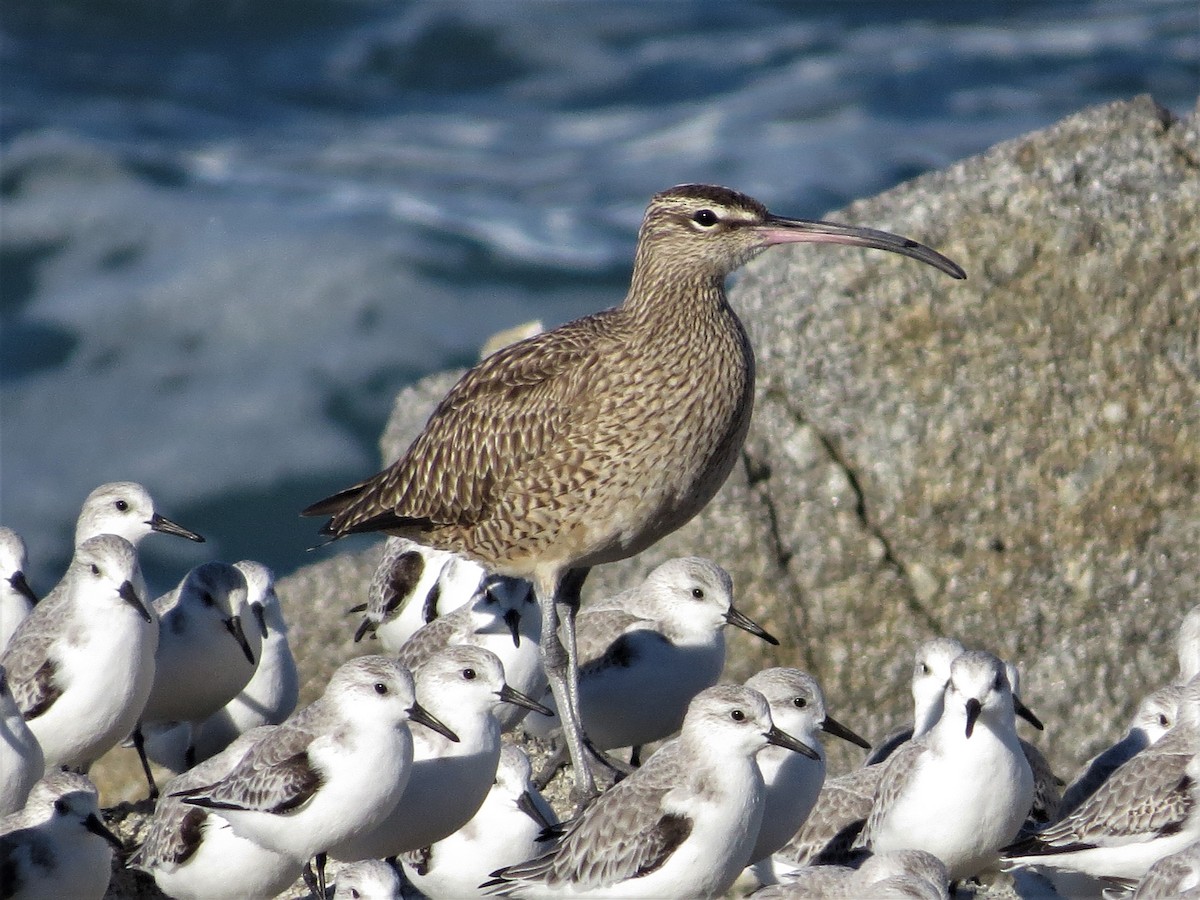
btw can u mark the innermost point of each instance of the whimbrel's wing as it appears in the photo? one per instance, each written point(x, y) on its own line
point(500, 415)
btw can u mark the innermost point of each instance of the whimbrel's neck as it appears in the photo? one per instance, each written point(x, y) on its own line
point(660, 291)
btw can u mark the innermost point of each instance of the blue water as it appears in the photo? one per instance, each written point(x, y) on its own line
point(231, 231)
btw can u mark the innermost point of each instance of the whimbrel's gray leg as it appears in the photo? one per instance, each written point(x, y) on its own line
point(559, 662)
point(569, 597)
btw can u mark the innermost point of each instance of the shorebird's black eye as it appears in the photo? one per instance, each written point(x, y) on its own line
point(354, 893)
point(95, 569)
point(121, 505)
point(705, 217)
point(800, 702)
point(923, 668)
point(60, 807)
point(998, 682)
point(698, 593)
point(469, 674)
point(1162, 720)
point(737, 715)
point(380, 687)
point(208, 598)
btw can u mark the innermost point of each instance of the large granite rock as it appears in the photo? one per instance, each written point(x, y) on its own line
point(1014, 459)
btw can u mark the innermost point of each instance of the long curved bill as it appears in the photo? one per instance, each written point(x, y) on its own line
point(832, 726)
point(512, 695)
point(780, 230)
point(785, 740)
point(166, 526)
point(418, 713)
point(744, 622)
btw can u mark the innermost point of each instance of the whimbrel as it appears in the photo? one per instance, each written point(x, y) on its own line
point(588, 443)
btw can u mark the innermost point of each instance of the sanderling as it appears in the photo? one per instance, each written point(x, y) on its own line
point(193, 854)
point(368, 879)
point(507, 829)
point(962, 791)
point(82, 663)
point(124, 508)
point(682, 825)
point(21, 759)
point(1177, 876)
point(502, 617)
point(333, 770)
point(57, 846)
point(792, 780)
point(17, 598)
point(1155, 716)
point(271, 694)
point(412, 586)
point(463, 687)
point(204, 655)
point(931, 671)
point(1147, 809)
point(645, 653)
point(909, 874)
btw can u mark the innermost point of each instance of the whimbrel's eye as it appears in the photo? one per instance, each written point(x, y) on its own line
point(705, 217)
point(121, 505)
point(737, 715)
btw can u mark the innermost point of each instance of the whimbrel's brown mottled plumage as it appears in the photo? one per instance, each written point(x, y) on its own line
point(588, 443)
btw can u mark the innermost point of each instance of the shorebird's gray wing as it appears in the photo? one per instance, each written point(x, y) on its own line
point(1148, 796)
point(597, 633)
point(31, 668)
point(897, 772)
point(1047, 787)
point(274, 776)
point(520, 398)
point(428, 640)
point(841, 810)
point(174, 834)
point(1172, 876)
point(626, 833)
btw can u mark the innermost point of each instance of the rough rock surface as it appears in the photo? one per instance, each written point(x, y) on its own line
point(1013, 460)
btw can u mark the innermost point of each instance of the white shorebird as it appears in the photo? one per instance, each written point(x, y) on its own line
point(792, 780)
point(204, 656)
point(82, 664)
point(1155, 716)
point(124, 508)
point(502, 617)
point(368, 879)
point(57, 846)
point(268, 698)
point(332, 771)
point(908, 874)
point(412, 586)
point(464, 688)
point(1177, 876)
point(931, 672)
point(962, 791)
point(646, 652)
point(1147, 809)
point(21, 759)
point(271, 694)
point(682, 825)
point(507, 829)
point(17, 598)
point(193, 854)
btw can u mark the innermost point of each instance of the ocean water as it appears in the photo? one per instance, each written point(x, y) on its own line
point(231, 231)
